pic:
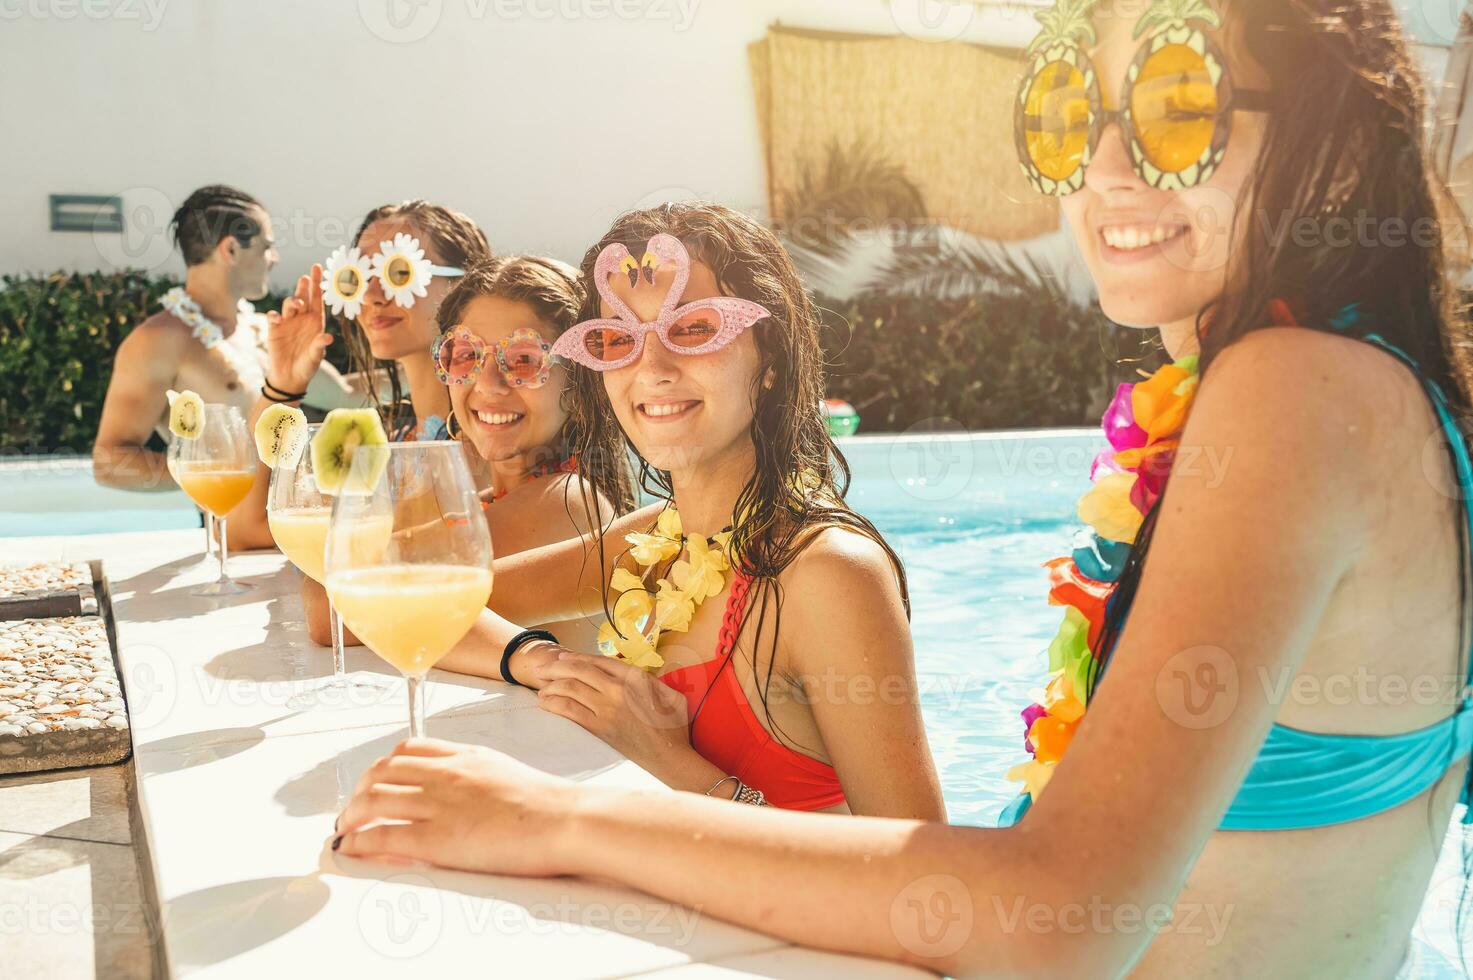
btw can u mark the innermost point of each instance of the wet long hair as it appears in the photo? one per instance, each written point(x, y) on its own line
point(554, 291)
point(780, 510)
point(1343, 141)
point(459, 242)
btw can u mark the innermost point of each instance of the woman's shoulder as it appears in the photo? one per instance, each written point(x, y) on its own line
point(1332, 411)
point(1309, 385)
point(835, 557)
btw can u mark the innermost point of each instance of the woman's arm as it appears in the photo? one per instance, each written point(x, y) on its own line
point(564, 580)
point(1265, 512)
point(848, 643)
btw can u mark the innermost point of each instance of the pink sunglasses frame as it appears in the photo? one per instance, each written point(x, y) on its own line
point(736, 314)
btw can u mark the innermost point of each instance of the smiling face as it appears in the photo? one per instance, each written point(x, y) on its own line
point(394, 332)
point(682, 410)
point(1157, 256)
point(502, 421)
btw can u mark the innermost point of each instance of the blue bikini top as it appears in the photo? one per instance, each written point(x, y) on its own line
point(1308, 779)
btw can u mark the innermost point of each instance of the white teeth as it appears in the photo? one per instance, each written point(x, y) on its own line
point(668, 409)
point(497, 418)
point(1128, 237)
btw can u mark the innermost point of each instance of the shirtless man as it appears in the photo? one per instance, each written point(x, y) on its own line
point(225, 236)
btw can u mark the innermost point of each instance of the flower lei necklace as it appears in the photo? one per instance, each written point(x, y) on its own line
point(249, 325)
point(1143, 427)
point(187, 309)
point(669, 608)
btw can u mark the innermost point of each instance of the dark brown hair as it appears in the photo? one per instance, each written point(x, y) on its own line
point(554, 291)
point(789, 434)
point(210, 214)
point(459, 242)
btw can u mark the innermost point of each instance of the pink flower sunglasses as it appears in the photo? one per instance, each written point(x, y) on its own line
point(700, 327)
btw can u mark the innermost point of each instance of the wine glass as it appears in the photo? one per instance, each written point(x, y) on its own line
point(299, 515)
point(409, 556)
point(207, 520)
point(216, 469)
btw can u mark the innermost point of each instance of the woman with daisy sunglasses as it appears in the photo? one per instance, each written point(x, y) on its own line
point(388, 286)
point(1214, 788)
point(719, 665)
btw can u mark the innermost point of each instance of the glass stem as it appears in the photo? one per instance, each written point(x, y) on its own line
point(339, 660)
point(224, 549)
point(209, 523)
point(416, 707)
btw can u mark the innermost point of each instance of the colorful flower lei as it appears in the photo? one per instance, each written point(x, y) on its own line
point(637, 616)
point(1143, 427)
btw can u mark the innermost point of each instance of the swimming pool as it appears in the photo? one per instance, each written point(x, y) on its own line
point(973, 517)
point(57, 495)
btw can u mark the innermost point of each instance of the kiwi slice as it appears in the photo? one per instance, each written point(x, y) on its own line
point(281, 436)
point(186, 414)
point(342, 432)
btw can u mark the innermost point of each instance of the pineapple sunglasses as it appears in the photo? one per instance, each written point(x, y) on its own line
point(1176, 104)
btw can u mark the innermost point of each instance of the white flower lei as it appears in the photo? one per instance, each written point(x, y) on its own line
point(207, 332)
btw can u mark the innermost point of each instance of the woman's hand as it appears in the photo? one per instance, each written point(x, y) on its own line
point(631, 710)
point(458, 806)
point(296, 339)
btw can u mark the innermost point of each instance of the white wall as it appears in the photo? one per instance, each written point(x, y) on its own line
point(542, 119)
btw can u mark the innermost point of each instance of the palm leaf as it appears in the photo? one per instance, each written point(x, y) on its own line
point(947, 269)
point(854, 186)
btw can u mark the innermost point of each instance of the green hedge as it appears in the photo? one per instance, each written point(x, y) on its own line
point(58, 334)
point(1011, 360)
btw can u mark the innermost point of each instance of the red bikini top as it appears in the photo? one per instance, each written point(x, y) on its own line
point(728, 734)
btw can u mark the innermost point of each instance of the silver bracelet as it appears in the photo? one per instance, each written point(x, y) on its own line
point(748, 795)
point(717, 785)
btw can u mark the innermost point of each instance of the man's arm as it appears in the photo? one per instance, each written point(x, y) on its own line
point(144, 369)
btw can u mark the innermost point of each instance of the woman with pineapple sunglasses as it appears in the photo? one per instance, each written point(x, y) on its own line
point(1263, 666)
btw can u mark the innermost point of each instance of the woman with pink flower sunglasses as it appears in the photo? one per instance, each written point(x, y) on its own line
point(720, 666)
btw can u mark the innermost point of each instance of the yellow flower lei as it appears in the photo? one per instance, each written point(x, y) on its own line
point(637, 616)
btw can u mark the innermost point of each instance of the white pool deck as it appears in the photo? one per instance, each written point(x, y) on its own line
point(237, 793)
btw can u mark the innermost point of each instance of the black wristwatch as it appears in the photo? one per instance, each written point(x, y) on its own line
point(515, 644)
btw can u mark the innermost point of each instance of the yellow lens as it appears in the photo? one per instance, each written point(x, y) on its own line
point(399, 272)
point(348, 282)
point(1056, 120)
point(1174, 108)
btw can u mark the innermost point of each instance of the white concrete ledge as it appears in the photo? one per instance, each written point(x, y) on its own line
point(238, 793)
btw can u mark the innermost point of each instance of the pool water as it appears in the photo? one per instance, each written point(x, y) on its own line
point(972, 517)
point(59, 496)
